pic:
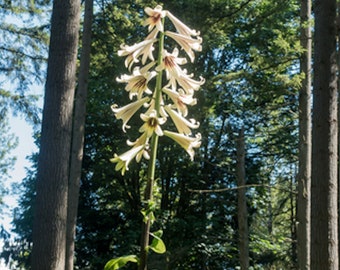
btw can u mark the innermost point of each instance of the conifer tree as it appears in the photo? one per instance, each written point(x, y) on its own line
point(324, 185)
point(49, 228)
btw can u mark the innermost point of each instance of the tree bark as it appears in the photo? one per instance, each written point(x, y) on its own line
point(242, 212)
point(49, 228)
point(324, 207)
point(305, 141)
point(78, 136)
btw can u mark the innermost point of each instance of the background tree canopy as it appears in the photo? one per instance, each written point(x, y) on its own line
point(250, 61)
point(22, 62)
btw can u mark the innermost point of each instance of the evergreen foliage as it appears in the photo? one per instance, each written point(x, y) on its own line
point(23, 54)
point(22, 62)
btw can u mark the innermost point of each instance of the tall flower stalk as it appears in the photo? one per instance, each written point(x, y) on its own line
point(167, 102)
point(152, 162)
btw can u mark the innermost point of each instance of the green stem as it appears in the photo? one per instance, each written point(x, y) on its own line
point(148, 196)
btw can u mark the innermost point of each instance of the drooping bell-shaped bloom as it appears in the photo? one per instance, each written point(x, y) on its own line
point(123, 160)
point(188, 84)
point(155, 18)
point(142, 140)
point(171, 63)
point(152, 124)
point(180, 100)
point(144, 48)
point(182, 124)
point(188, 143)
point(125, 113)
point(181, 27)
point(137, 83)
point(187, 43)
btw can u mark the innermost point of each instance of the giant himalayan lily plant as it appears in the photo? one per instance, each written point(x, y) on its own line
point(169, 100)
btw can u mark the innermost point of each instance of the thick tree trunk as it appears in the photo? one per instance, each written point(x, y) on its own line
point(305, 142)
point(242, 212)
point(49, 228)
point(78, 136)
point(324, 203)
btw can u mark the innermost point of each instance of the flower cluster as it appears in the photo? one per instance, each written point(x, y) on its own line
point(168, 101)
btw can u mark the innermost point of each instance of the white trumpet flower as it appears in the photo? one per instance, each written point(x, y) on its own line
point(180, 100)
point(152, 124)
point(183, 125)
point(187, 43)
point(188, 143)
point(125, 113)
point(171, 63)
point(142, 140)
point(124, 159)
point(188, 84)
point(181, 27)
point(144, 48)
point(137, 83)
point(155, 18)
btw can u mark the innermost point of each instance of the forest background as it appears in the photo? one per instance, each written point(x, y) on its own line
point(249, 116)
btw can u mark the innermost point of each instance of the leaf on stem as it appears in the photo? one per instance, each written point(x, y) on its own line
point(157, 244)
point(120, 262)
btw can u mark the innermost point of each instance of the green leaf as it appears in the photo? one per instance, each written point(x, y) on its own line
point(120, 262)
point(157, 244)
point(147, 212)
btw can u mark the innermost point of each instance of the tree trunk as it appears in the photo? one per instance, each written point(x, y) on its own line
point(293, 221)
point(305, 142)
point(78, 136)
point(324, 230)
point(242, 212)
point(49, 228)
